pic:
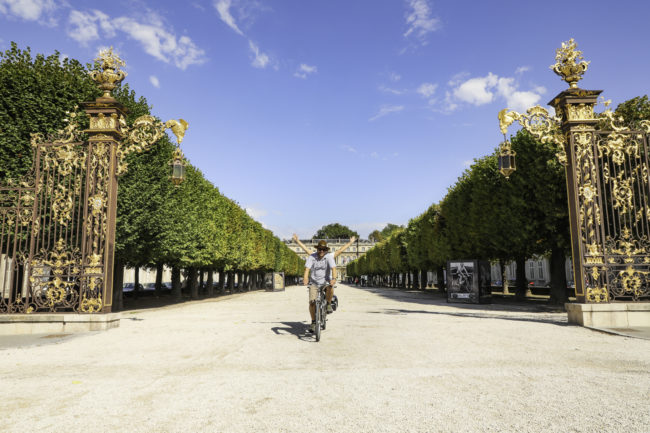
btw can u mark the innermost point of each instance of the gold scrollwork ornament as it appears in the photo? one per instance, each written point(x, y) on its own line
point(597, 294)
point(91, 305)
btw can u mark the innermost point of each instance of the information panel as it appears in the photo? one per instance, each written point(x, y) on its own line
point(468, 281)
point(274, 281)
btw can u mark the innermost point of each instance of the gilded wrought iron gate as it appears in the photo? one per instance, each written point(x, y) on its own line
point(57, 234)
point(612, 182)
point(607, 172)
point(54, 230)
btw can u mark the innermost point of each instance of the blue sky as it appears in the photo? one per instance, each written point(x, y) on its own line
point(362, 112)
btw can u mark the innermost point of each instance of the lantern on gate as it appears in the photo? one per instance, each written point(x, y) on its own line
point(178, 167)
point(178, 127)
point(507, 164)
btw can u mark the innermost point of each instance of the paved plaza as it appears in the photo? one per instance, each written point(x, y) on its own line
point(389, 361)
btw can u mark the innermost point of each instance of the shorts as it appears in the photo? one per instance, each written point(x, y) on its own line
point(313, 291)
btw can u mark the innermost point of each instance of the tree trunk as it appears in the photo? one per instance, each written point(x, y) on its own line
point(176, 284)
point(522, 283)
point(210, 283)
point(231, 281)
point(558, 277)
point(504, 276)
point(201, 282)
point(136, 282)
point(423, 280)
point(222, 280)
point(118, 284)
point(192, 283)
point(159, 278)
point(440, 276)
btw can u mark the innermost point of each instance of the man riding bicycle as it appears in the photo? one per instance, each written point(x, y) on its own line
point(317, 273)
point(320, 257)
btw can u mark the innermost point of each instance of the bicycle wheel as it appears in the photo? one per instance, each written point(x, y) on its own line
point(323, 314)
point(318, 320)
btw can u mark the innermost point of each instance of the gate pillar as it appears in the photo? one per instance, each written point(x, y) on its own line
point(575, 109)
point(105, 133)
point(98, 247)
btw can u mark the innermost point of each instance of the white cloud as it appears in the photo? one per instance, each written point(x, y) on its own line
point(468, 163)
point(484, 90)
point(304, 70)
point(390, 90)
point(244, 11)
point(223, 8)
point(374, 155)
point(162, 44)
point(153, 36)
point(522, 69)
point(348, 148)
point(458, 78)
point(255, 213)
point(385, 110)
point(450, 104)
point(261, 60)
point(154, 81)
point(395, 77)
point(427, 89)
point(28, 10)
point(476, 90)
point(84, 27)
point(419, 19)
point(515, 99)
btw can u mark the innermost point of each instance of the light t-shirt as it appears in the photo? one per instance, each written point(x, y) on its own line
point(320, 268)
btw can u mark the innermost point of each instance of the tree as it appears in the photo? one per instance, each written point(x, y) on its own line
point(35, 95)
point(375, 236)
point(335, 231)
point(634, 110)
point(385, 233)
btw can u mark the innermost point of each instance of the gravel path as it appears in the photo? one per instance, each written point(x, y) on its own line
point(389, 361)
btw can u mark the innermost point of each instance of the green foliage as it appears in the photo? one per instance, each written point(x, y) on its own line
point(35, 94)
point(385, 233)
point(634, 110)
point(335, 231)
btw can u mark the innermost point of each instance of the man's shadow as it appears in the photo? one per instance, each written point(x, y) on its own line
point(299, 329)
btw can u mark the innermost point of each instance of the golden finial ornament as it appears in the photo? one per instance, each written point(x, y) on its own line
point(111, 74)
point(569, 63)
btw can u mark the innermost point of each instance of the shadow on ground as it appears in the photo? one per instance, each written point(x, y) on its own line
point(435, 297)
point(477, 315)
point(299, 329)
point(150, 299)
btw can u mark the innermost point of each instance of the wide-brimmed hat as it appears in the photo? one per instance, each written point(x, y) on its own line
point(322, 244)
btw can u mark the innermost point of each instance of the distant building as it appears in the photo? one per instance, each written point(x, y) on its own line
point(356, 250)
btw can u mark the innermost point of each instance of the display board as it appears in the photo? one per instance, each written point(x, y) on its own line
point(274, 281)
point(468, 281)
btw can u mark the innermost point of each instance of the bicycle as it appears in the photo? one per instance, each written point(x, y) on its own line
point(320, 305)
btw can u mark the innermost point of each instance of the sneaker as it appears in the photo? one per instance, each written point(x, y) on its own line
point(330, 310)
point(312, 327)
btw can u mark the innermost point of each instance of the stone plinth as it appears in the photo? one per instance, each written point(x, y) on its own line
point(15, 324)
point(614, 315)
